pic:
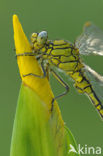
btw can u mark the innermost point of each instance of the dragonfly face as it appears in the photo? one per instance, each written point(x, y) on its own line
point(42, 37)
point(39, 40)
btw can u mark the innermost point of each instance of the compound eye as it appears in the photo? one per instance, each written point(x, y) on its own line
point(34, 37)
point(42, 37)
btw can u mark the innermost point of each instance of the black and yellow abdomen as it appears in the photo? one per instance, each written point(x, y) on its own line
point(66, 57)
point(83, 85)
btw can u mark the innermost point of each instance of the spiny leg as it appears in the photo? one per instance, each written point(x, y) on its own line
point(60, 80)
point(39, 76)
point(38, 57)
point(26, 54)
point(47, 70)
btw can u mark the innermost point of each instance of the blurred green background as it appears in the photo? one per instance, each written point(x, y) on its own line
point(63, 19)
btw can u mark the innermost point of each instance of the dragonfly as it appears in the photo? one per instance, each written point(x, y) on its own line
point(65, 56)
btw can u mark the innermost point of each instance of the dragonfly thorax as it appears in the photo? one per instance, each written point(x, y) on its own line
point(38, 41)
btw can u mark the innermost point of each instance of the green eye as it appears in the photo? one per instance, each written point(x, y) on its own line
point(42, 37)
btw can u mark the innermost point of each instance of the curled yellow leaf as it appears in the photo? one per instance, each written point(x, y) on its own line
point(28, 64)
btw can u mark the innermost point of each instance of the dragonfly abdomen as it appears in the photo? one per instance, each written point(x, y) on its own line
point(83, 85)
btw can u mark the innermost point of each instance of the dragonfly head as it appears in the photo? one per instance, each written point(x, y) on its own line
point(39, 38)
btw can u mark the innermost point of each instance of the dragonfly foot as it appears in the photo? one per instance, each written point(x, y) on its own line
point(52, 104)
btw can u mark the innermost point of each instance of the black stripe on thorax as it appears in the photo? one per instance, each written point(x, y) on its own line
point(51, 43)
point(54, 48)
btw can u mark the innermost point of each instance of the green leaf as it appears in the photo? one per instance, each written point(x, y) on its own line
point(34, 132)
point(70, 144)
point(31, 135)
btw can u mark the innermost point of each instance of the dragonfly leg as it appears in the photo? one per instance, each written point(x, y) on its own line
point(47, 70)
point(26, 54)
point(60, 80)
point(39, 76)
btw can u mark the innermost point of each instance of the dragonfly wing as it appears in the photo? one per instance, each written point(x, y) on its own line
point(96, 80)
point(91, 40)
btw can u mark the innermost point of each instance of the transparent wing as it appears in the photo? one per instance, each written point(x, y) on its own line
point(91, 40)
point(96, 81)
